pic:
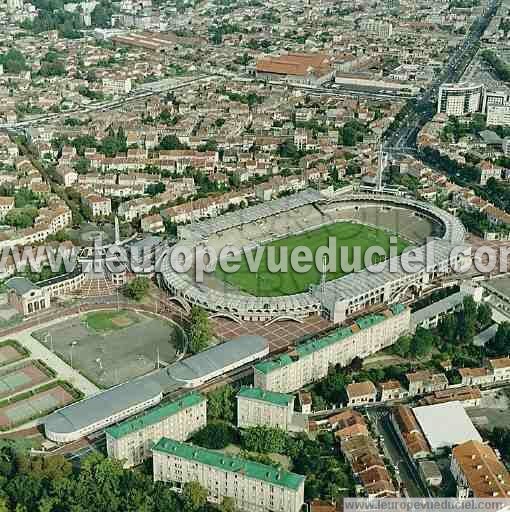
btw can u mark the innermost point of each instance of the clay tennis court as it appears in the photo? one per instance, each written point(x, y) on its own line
point(21, 378)
point(9, 354)
point(35, 406)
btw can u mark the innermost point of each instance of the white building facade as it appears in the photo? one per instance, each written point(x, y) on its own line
point(254, 487)
point(256, 406)
point(460, 99)
point(310, 362)
point(132, 440)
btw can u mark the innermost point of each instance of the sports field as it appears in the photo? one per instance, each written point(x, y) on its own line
point(110, 347)
point(347, 234)
point(110, 320)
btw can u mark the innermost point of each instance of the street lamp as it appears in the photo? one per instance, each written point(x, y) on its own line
point(73, 343)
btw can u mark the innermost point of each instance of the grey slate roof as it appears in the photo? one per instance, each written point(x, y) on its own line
point(21, 285)
point(95, 408)
point(216, 358)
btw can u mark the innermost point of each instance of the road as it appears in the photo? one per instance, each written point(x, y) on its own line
point(424, 108)
point(396, 454)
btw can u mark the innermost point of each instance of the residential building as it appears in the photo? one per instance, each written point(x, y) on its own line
point(152, 224)
point(478, 471)
point(6, 205)
point(361, 393)
point(391, 390)
point(460, 99)
point(254, 487)
point(498, 115)
point(117, 85)
point(424, 381)
point(430, 473)
point(500, 368)
point(409, 432)
point(132, 440)
point(100, 206)
point(310, 361)
point(257, 406)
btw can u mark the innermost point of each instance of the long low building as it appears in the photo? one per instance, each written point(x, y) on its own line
point(254, 487)
point(116, 404)
point(310, 361)
point(220, 359)
point(101, 410)
point(132, 440)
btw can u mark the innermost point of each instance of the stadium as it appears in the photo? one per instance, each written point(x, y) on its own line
point(308, 218)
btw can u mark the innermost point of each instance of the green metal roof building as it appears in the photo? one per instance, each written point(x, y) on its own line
point(223, 475)
point(132, 440)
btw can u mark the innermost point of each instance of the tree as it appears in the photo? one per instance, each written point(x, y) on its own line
point(21, 217)
point(402, 346)
point(500, 344)
point(216, 435)
point(13, 61)
point(170, 142)
point(137, 289)
point(200, 330)
point(194, 496)
point(422, 342)
point(228, 505)
point(484, 315)
point(263, 439)
point(221, 403)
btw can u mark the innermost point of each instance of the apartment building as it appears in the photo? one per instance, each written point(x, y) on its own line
point(498, 115)
point(117, 85)
point(460, 99)
point(310, 362)
point(478, 471)
point(257, 406)
point(132, 440)
point(254, 487)
point(6, 205)
point(409, 432)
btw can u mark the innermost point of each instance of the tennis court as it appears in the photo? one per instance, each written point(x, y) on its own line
point(21, 378)
point(9, 354)
point(33, 407)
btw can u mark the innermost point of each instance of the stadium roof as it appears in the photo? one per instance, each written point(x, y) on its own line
point(446, 425)
point(209, 227)
point(272, 397)
point(434, 253)
point(154, 415)
point(270, 474)
point(101, 406)
point(217, 358)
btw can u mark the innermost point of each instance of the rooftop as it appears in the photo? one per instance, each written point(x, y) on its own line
point(224, 462)
point(154, 415)
point(279, 399)
point(445, 425)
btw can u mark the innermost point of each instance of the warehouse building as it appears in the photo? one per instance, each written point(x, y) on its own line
point(254, 487)
point(257, 406)
point(102, 410)
point(216, 361)
point(132, 440)
point(310, 362)
point(445, 425)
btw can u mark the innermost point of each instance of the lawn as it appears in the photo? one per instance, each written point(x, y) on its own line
point(268, 284)
point(110, 320)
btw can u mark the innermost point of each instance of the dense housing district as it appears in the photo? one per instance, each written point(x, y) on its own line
point(134, 131)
